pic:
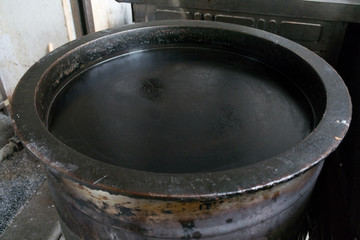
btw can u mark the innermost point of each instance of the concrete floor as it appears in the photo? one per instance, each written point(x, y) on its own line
point(37, 220)
point(26, 207)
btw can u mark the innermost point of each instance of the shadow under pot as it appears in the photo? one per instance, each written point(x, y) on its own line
point(181, 130)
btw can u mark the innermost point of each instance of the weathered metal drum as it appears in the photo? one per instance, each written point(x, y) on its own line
point(181, 130)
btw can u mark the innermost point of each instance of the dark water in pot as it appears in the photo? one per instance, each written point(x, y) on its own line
point(181, 110)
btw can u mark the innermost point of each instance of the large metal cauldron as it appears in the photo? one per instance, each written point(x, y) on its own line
point(181, 130)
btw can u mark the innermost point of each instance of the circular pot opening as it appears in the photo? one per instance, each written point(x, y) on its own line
point(179, 129)
point(183, 109)
point(185, 97)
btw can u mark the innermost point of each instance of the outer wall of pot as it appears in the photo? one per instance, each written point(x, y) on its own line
point(273, 213)
point(261, 201)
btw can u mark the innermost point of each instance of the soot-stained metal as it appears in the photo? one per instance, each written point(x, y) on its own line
point(98, 200)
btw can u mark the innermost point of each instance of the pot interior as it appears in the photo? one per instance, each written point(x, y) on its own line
point(181, 110)
point(181, 99)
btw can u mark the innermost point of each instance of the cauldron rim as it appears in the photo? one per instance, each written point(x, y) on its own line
point(71, 164)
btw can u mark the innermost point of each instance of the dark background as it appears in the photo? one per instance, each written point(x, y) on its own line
point(334, 211)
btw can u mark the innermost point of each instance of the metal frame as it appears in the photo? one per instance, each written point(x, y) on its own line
point(334, 10)
point(88, 15)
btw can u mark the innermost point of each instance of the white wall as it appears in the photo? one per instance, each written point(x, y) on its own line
point(26, 28)
point(109, 13)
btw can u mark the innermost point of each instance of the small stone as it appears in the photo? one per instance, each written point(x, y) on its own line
point(6, 130)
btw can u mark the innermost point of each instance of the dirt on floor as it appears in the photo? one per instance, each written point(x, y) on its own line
point(20, 174)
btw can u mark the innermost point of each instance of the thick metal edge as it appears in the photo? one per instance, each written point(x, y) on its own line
point(64, 161)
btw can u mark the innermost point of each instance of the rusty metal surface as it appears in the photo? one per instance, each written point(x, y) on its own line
point(81, 185)
point(104, 215)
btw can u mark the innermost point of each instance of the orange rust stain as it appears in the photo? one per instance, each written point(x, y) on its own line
point(275, 196)
point(105, 198)
point(80, 187)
